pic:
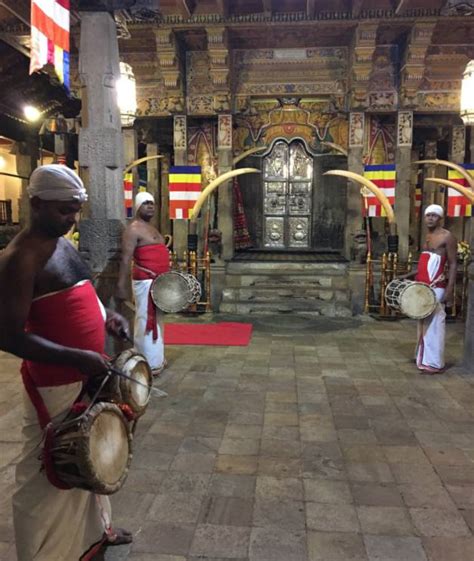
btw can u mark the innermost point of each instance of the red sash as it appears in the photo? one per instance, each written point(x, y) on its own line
point(423, 272)
point(150, 261)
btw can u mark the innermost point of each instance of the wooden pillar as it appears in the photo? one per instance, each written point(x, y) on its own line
point(153, 180)
point(459, 227)
point(225, 208)
point(130, 154)
point(403, 168)
point(180, 144)
point(165, 223)
point(355, 164)
point(26, 161)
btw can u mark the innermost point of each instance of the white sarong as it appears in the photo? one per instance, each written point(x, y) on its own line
point(52, 524)
point(431, 336)
point(154, 351)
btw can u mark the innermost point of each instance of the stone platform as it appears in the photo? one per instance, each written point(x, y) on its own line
point(318, 442)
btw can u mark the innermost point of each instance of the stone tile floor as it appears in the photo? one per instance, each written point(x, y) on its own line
point(318, 442)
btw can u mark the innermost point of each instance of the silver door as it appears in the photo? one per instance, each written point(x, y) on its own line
point(287, 196)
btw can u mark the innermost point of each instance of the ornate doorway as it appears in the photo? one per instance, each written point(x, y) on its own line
point(287, 196)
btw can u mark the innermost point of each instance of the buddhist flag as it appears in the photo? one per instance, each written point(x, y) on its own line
point(418, 199)
point(384, 176)
point(184, 188)
point(128, 194)
point(50, 37)
point(457, 204)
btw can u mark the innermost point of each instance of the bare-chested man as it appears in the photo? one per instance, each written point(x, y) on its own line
point(51, 317)
point(440, 248)
point(145, 245)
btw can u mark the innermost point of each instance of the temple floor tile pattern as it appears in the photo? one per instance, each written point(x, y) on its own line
point(318, 442)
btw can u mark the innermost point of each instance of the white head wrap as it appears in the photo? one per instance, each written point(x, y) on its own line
point(434, 209)
point(55, 182)
point(141, 198)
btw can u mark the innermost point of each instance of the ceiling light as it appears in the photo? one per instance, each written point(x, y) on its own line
point(31, 113)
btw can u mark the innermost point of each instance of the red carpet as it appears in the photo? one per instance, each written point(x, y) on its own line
point(223, 333)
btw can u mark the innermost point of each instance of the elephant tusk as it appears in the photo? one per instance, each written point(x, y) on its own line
point(242, 156)
point(336, 147)
point(371, 186)
point(467, 176)
point(213, 185)
point(140, 161)
point(459, 188)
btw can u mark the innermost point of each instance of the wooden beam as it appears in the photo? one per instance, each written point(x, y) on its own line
point(13, 40)
point(222, 7)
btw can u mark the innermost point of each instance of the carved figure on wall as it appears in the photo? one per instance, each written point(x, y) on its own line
point(179, 132)
point(405, 128)
point(275, 166)
point(356, 129)
point(224, 135)
point(221, 103)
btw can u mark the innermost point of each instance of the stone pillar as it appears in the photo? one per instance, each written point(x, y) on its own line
point(355, 164)
point(468, 354)
point(180, 144)
point(225, 207)
point(130, 154)
point(100, 141)
point(403, 168)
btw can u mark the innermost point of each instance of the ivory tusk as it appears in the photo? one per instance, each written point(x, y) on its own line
point(371, 186)
point(140, 161)
point(249, 152)
point(213, 185)
point(336, 147)
point(459, 188)
point(467, 176)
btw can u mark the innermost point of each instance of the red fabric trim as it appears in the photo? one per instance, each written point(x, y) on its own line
point(422, 274)
point(154, 257)
point(93, 550)
point(72, 318)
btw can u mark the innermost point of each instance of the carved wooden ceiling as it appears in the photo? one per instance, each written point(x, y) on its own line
point(433, 38)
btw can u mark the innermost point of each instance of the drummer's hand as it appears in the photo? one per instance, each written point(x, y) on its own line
point(92, 363)
point(448, 299)
point(117, 325)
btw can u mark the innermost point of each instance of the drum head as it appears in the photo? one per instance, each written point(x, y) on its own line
point(109, 447)
point(417, 300)
point(170, 292)
point(136, 366)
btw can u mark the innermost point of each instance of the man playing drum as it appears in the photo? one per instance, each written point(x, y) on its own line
point(52, 318)
point(145, 245)
point(439, 248)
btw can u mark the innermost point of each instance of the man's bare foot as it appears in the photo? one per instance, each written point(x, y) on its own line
point(119, 536)
point(157, 371)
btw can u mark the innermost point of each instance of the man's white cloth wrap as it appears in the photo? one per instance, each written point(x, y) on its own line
point(434, 209)
point(141, 198)
point(56, 182)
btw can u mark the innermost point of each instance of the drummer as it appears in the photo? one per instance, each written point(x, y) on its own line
point(439, 249)
point(143, 243)
point(51, 317)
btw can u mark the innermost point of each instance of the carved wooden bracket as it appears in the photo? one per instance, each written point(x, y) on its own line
point(364, 48)
point(167, 50)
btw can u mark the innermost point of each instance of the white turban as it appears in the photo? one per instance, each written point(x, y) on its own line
point(434, 209)
point(143, 197)
point(56, 182)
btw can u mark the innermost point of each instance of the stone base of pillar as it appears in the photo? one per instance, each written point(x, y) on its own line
point(357, 274)
point(217, 285)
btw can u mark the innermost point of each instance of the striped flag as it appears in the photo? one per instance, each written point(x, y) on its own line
point(128, 194)
point(384, 176)
point(50, 37)
point(457, 204)
point(418, 199)
point(184, 188)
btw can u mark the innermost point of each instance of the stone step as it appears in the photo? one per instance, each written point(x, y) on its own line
point(294, 294)
point(255, 268)
point(319, 308)
point(287, 282)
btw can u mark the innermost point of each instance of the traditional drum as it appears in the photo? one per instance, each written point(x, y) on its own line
point(128, 391)
point(92, 451)
point(414, 299)
point(174, 291)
